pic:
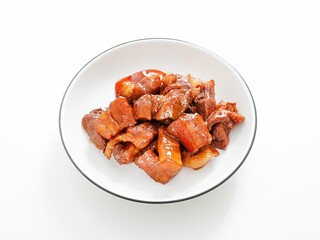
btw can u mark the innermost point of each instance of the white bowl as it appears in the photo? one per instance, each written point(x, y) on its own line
point(93, 87)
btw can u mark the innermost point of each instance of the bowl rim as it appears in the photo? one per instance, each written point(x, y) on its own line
point(147, 201)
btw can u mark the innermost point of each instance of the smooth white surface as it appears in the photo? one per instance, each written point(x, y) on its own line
point(94, 86)
point(275, 47)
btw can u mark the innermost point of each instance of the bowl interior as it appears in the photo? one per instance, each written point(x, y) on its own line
point(93, 87)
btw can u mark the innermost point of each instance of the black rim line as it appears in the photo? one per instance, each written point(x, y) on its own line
point(158, 202)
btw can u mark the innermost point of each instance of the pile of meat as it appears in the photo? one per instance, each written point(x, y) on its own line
point(162, 122)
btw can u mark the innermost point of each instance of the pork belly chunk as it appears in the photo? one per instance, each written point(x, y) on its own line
point(175, 103)
point(199, 159)
point(88, 123)
point(139, 135)
point(149, 162)
point(122, 112)
point(169, 152)
point(226, 113)
point(205, 101)
point(142, 108)
point(136, 85)
point(220, 136)
point(157, 101)
point(106, 126)
point(191, 131)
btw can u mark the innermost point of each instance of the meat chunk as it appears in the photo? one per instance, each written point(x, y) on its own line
point(219, 115)
point(169, 152)
point(181, 82)
point(191, 131)
point(106, 126)
point(200, 158)
point(149, 162)
point(226, 113)
point(93, 114)
point(167, 80)
point(143, 82)
point(150, 83)
point(142, 108)
point(88, 123)
point(125, 153)
point(139, 135)
point(220, 136)
point(122, 112)
point(157, 101)
point(175, 103)
point(205, 101)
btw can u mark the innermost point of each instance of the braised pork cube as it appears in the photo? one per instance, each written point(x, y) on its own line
point(157, 101)
point(151, 82)
point(191, 131)
point(180, 83)
point(233, 113)
point(199, 159)
point(169, 152)
point(88, 121)
point(106, 126)
point(167, 80)
point(122, 112)
point(125, 153)
point(93, 114)
point(220, 136)
point(143, 82)
point(175, 103)
point(205, 101)
point(227, 113)
point(219, 115)
point(142, 108)
point(139, 135)
point(149, 162)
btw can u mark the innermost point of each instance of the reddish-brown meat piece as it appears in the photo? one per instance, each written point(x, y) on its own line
point(122, 112)
point(175, 103)
point(89, 126)
point(169, 152)
point(180, 83)
point(191, 131)
point(205, 101)
point(218, 116)
point(139, 135)
point(200, 158)
point(150, 83)
point(149, 162)
point(125, 153)
point(226, 113)
point(220, 136)
point(106, 126)
point(157, 101)
point(167, 80)
point(142, 108)
point(144, 82)
point(93, 114)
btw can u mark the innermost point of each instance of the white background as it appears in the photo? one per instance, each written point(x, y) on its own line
point(275, 45)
